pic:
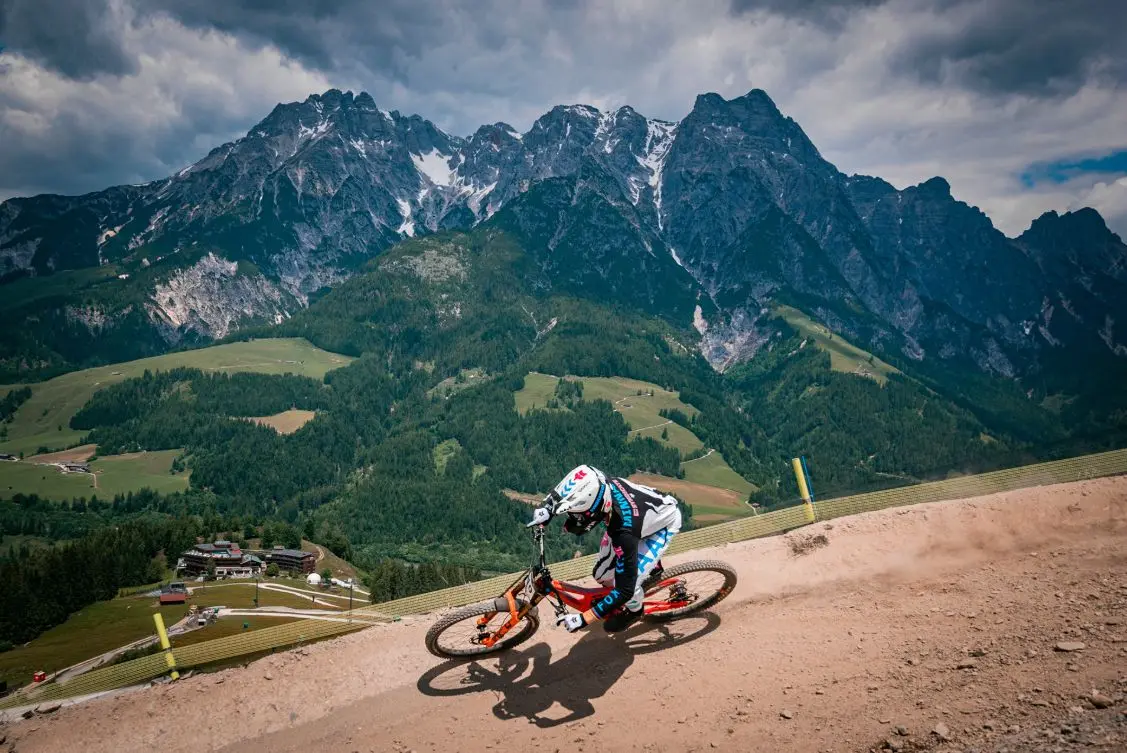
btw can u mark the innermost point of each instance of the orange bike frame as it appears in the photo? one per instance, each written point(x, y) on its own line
point(577, 597)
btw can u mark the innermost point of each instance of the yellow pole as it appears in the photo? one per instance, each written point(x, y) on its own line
point(803, 490)
point(164, 644)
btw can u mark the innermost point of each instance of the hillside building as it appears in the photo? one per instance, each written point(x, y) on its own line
point(229, 560)
point(293, 560)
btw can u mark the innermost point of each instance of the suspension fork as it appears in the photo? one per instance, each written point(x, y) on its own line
point(508, 602)
point(536, 576)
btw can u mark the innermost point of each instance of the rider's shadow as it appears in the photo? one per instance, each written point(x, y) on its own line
point(529, 683)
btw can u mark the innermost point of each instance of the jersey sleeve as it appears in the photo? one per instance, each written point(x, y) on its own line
point(625, 574)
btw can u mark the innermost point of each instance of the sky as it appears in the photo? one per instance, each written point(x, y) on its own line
point(1020, 104)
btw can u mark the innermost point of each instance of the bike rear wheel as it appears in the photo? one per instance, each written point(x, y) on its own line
point(687, 588)
point(459, 634)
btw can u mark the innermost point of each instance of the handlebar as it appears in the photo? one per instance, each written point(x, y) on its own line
point(541, 517)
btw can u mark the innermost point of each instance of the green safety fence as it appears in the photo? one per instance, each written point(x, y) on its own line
point(302, 631)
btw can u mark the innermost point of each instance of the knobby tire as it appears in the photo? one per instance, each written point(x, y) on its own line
point(519, 634)
point(706, 601)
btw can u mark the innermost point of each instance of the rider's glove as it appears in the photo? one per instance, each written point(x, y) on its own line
point(540, 517)
point(571, 622)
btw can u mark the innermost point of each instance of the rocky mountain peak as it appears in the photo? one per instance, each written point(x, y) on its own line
point(1076, 244)
point(753, 124)
point(1086, 223)
point(495, 133)
point(708, 102)
point(934, 188)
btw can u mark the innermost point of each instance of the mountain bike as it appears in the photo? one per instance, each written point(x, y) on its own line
point(512, 618)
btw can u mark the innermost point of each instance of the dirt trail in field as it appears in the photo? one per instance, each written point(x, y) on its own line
point(941, 619)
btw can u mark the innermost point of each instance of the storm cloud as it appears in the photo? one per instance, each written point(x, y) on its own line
point(102, 92)
point(79, 39)
point(1044, 48)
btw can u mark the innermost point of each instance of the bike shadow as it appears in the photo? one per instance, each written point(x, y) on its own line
point(529, 683)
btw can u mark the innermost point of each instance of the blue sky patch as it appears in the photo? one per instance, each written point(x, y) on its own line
point(1061, 171)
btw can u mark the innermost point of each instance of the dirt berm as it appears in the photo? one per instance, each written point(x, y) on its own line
point(937, 627)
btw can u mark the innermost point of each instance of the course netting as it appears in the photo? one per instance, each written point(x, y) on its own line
point(226, 649)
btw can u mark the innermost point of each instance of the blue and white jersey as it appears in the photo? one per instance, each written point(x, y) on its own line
point(640, 525)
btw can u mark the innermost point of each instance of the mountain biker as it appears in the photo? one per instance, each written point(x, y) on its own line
point(640, 522)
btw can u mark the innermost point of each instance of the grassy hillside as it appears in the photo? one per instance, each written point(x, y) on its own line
point(106, 625)
point(98, 628)
point(710, 486)
point(710, 504)
point(112, 475)
point(630, 397)
point(713, 470)
point(43, 421)
point(844, 356)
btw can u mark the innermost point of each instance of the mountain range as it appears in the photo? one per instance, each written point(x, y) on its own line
point(709, 223)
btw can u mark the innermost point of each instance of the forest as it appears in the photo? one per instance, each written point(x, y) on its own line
point(218, 393)
point(13, 400)
point(9, 403)
point(41, 588)
point(392, 579)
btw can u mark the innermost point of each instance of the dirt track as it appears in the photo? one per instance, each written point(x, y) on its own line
point(848, 639)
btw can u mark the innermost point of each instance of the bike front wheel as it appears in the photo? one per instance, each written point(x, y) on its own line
point(464, 632)
point(687, 588)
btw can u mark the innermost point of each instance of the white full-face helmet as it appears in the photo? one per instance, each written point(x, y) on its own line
point(581, 494)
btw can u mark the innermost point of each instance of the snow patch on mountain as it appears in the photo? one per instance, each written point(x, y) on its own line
point(659, 138)
point(435, 166)
point(305, 133)
point(474, 201)
point(603, 131)
point(408, 226)
point(676, 258)
point(586, 111)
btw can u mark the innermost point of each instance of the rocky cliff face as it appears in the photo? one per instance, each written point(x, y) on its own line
point(707, 221)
